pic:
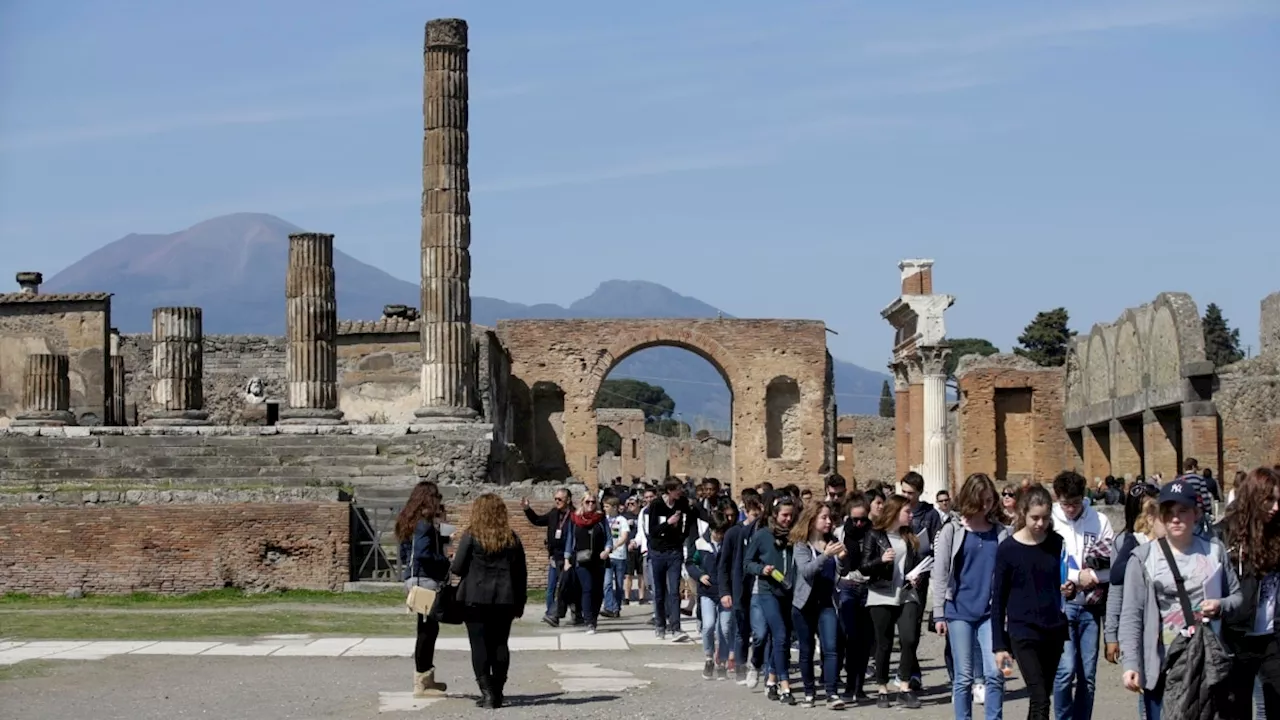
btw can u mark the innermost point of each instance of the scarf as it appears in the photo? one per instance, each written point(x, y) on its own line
point(781, 535)
point(586, 519)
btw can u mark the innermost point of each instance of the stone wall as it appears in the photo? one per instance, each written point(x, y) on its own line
point(109, 458)
point(77, 325)
point(1248, 402)
point(174, 548)
point(629, 425)
point(865, 449)
point(1010, 424)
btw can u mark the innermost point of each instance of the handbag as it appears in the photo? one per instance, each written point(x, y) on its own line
point(420, 599)
point(447, 608)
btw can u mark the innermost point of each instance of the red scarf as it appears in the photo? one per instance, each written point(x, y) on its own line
point(586, 519)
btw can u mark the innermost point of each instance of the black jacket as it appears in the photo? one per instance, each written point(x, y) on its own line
point(1240, 623)
point(730, 578)
point(554, 520)
point(877, 571)
point(491, 579)
point(663, 536)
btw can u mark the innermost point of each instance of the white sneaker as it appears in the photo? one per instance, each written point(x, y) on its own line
point(753, 679)
point(980, 694)
point(681, 637)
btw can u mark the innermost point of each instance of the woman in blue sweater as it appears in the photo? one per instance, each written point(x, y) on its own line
point(1026, 600)
point(425, 565)
point(770, 559)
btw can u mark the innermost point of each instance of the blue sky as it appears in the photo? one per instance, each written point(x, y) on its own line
point(774, 160)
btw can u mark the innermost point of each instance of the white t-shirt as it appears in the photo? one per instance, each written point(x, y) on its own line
point(619, 527)
point(1264, 619)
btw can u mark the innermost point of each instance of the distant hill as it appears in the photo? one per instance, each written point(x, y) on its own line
point(234, 267)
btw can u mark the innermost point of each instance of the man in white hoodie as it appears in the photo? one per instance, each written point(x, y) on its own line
point(1087, 539)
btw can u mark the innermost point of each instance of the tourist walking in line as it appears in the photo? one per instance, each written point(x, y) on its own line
point(556, 521)
point(813, 611)
point(1251, 531)
point(856, 634)
point(616, 566)
point(891, 554)
point(736, 587)
point(1027, 591)
point(422, 555)
point(836, 487)
point(1088, 540)
point(1156, 614)
point(491, 562)
point(586, 552)
point(770, 559)
point(1141, 526)
point(963, 575)
point(669, 522)
point(716, 621)
point(635, 562)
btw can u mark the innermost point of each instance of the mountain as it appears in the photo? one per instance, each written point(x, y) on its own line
point(234, 267)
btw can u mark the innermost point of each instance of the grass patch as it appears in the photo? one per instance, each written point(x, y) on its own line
point(210, 598)
point(200, 626)
point(26, 669)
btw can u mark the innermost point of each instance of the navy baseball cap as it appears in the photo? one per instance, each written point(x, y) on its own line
point(1179, 491)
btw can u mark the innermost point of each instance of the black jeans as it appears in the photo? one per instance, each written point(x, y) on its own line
point(1256, 657)
point(856, 641)
point(666, 589)
point(1038, 662)
point(591, 579)
point(424, 651)
point(490, 657)
point(907, 618)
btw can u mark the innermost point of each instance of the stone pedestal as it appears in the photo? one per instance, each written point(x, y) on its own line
point(311, 331)
point(46, 392)
point(933, 360)
point(177, 364)
point(448, 355)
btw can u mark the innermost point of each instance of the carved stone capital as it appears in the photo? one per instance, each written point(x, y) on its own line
point(901, 375)
point(933, 358)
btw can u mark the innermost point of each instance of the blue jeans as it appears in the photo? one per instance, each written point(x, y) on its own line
point(775, 614)
point(1079, 663)
point(966, 637)
point(743, 651)
point(591, 578)
point(761, 651)
point(822, 622)
point(1152, 702)
point(614, 571)
point(666, 589)
point(553, 579)
point(717, 629)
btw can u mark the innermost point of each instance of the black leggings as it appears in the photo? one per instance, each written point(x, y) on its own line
point(490, 657)
point(424, 651)
point(1255, 656)
point(907, 618)
point(1038, 661)
point(856, 651)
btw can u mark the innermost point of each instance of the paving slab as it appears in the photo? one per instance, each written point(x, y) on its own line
point(599, 641)
point(324, 647)
point(382, 647)
point(175, 647)
point(241, 650)
point(99, 650)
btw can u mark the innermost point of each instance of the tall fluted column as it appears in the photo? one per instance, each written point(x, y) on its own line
point(311, 331)
point(935, 419)
point(46, 392)
point(448, 357)
point(177, 365)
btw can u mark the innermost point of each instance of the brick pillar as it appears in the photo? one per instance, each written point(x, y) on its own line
point(46, 392)
point(1202, 438)
point(311, 332)
point(1159, 451)
point(915, 458)
point(901, 418)
point(1126, 453)
point(1097, 461)
point(177, 364)
point(116, 383)
point(448, 357)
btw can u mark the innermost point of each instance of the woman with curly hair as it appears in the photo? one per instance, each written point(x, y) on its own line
point(1251, 531)
point(491, 562)
point(425, 565)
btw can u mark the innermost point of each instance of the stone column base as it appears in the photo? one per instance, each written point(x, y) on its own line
point(310, 416)
point(44, 418)
point(178, 417)
point(446, 414)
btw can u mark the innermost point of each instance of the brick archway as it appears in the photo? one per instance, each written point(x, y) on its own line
point(578, 354)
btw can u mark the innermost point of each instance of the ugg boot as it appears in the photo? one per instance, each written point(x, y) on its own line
point(425, 685)
point(486, 693)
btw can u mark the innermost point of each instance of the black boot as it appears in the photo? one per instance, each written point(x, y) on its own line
point(496, 687)
point(486, 693)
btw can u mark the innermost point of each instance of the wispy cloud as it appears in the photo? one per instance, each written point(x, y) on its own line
point(1111, 17)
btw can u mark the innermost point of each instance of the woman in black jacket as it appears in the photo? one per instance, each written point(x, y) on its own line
point(890, 551)
point(585, 553)
point(491, 562)
point(425, 565)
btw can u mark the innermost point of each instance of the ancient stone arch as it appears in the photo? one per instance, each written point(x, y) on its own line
point(576, 355)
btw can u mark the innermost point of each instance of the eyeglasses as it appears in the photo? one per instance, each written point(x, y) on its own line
point(588, 502)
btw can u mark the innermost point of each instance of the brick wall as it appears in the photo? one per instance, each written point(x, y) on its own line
point(1010, 418)
point(1248, 403)
point(174, 549)
point(867, 444)
point(74, 325)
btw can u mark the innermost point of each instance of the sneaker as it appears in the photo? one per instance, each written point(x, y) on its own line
point(848, 699)
point(980, 694)
point(910, 701)
point(660, 634)
point(835, 703)
point(722, 672)
point(807, 701)
point(787, 698)
point(771, 692)
point(882, 701)
point(551, 620)
point(680, 637)
point(752, 679)
point(591, 629)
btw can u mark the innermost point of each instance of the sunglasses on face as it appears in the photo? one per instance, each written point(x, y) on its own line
point(1008, 494)
point(588, 502)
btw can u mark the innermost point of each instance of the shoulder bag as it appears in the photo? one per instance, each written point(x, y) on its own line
point(420, 599)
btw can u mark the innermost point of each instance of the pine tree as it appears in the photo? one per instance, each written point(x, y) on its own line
point(1045, 341)
point(966, 346)
point(886, 400)
point(1221, 341)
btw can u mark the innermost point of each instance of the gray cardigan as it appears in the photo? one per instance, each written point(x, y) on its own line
point(942, 587)
point(808, 564)
point(1140, 644)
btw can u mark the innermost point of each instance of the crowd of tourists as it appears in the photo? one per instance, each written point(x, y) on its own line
point(1020, 579)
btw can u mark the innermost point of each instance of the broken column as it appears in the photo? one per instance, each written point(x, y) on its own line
point(177, 364)
point(46, 392)
point(448, 357)
point(311, 332)
point(116, 383)
point(29, 282)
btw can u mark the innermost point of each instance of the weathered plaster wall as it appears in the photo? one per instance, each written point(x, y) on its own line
point(865, 449)
point(77, 325)
point(1248, 402)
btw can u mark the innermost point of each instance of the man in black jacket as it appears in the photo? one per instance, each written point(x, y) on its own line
point(669, 521)
point(735, 587)
point(556, 521)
